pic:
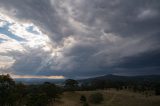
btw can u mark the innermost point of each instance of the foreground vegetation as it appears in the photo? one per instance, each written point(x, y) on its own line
point(111, 98)
point(12, 94)
point(73, 93)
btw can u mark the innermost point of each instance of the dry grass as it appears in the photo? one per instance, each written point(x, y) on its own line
point(111, 98)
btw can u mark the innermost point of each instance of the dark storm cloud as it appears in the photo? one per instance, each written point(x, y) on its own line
point(149, 59)
point(109, 36)
point(122, 16)
point(30, 62)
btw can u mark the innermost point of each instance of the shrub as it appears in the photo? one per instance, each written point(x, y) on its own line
point(83, 99)
point(85, 104)
point(157, 89)
point(96, 98)
point(40, 99)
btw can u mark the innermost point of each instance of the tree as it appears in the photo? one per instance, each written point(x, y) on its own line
point(51, 90)
point(20, 93)
point(36, 96)
point(96, 98)
point(7, 86)
point(71, 84)
point(39, 99)
point(42, 95)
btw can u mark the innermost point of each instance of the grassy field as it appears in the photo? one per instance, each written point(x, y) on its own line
point(111, 98)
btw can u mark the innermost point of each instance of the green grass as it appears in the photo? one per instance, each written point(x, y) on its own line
point(111, 98)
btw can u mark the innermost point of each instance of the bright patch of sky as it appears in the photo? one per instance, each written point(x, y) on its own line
point(38, 77)
point(5, 61)
point(16, 36)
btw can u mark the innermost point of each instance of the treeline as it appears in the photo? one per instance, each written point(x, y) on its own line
point(12, 94)
point(132, 85)
point(148, 87)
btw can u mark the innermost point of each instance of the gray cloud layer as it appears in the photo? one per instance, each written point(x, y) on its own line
point(95, 36)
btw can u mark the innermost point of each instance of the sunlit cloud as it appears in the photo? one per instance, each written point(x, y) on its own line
point(33, 38)
point(6, 61)
point(9, 44)
point(37, 77)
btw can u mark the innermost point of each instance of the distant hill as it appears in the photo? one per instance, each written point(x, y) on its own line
point(150, 78)
point(110, 77)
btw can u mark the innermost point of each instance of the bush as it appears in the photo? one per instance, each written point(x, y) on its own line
point(85, 104)
point(157, 89)
point(83, 99)
point(157, 92)
point(96, 98)
point(40, 99)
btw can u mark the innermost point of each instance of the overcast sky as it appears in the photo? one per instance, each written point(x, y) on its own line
point(79, 38)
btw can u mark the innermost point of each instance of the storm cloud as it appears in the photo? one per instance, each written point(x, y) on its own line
point(85, 37)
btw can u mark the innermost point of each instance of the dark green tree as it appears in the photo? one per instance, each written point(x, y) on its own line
point(71, 84)
point(39, 99)
point(51, 90)
point(20, 93)
point(7, 87)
